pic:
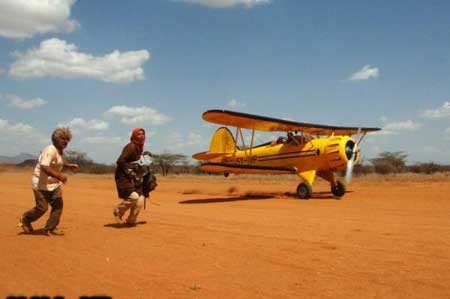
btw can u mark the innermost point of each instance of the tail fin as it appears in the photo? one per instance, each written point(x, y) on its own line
point(222, 141)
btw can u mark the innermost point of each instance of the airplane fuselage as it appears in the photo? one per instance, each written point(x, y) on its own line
point(318, 154)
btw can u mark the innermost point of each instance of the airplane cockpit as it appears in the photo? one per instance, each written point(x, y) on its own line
point(293, 139)
point(297, 139)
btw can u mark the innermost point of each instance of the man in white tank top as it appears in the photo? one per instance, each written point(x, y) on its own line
point(46, 183)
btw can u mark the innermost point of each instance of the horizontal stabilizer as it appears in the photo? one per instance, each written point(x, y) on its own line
point(208, 155)
point(245, 168)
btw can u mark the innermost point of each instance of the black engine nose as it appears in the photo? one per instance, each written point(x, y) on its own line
point(349, 149)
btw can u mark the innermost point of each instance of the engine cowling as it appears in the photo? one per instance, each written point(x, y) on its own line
point(338, 152)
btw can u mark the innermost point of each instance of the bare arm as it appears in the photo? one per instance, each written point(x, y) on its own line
point(72, 166)
point(54, 173)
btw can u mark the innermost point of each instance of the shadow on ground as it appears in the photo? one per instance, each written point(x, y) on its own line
point(124, 225)
point(290, 195)
point(40, 232)
point(226, 199)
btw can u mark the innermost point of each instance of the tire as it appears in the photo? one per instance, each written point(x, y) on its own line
point(338, 190)
point(304, 190)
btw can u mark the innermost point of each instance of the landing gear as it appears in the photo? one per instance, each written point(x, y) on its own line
point(338, 189)
point(304, 190)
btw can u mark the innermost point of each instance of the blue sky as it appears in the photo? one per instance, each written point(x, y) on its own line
point(105, 67)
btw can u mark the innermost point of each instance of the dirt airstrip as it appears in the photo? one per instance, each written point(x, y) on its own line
point(239, 237)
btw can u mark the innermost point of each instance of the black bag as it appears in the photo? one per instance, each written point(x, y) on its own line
point(152, 182)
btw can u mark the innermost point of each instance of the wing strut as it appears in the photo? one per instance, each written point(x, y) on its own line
point(251, 142)
point(239, 133)
point(361, 138)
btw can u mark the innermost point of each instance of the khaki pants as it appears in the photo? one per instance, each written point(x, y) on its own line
point(43, 199)
point(134, 203)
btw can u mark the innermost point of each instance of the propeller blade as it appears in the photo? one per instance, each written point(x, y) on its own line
point(351, 163)
point(349, 170)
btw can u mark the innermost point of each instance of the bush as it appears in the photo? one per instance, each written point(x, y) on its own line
point(390, 162)
point(428, 168)
point(86, 165)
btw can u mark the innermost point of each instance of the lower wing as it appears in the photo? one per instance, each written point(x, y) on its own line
point(246, 168)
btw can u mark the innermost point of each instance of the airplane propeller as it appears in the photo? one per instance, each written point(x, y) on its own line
point(351, 153)
point(350, 164)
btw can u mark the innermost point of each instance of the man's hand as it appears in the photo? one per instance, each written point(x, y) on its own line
point(54, 174)
point(63, 178)
point(72, 166)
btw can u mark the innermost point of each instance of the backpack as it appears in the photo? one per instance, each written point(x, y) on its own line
point(152, 182)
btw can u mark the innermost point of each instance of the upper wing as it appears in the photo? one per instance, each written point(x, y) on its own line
point(263, 123)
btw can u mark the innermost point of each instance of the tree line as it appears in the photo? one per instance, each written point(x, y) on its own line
point(165, 163)
point(395, 162)
point(162, 163)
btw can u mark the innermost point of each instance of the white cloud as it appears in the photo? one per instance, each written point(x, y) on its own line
point(18, 102)
point(226, 3)
point(397, 127)
point(365, 73)
point(82, 124)
point(138, 115)
point(441, 112)
point(194, 139)
point(2, 71)
point(233, 103)
point(20, 137)
point(24, 18)
point(7, 127)
point(177, 140)
point(57, 58)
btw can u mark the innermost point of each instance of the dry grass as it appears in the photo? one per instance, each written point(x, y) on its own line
point(14, 168)
point(258, 179)
point(405, 177)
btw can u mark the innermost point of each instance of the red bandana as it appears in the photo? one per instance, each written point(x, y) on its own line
point(139, 144)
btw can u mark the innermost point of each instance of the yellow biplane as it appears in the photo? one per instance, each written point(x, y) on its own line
point(307, 150)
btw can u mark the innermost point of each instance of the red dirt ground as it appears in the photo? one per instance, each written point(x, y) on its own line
point(240, 237)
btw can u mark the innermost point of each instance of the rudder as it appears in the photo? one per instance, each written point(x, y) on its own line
point(222, 141)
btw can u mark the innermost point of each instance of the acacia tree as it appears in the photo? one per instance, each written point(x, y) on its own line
point(78, 157)
point(390, 162)
point(86, 164)
point(166, 161)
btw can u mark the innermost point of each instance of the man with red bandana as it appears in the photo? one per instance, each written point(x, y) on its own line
point(132, 180)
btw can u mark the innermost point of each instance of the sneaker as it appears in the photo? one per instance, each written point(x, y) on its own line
point(25, 225)
point(117, 217)
point(53, 232)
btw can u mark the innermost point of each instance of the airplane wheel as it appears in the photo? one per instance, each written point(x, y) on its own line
point(304, 190)
point(338, 190)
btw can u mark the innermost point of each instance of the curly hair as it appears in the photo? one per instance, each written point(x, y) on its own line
point(63, 132)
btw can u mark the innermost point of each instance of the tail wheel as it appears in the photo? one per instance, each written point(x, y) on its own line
point(304, 190)
point(338, 189)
